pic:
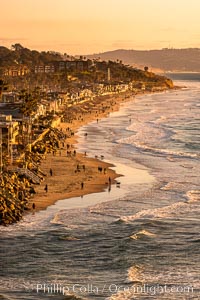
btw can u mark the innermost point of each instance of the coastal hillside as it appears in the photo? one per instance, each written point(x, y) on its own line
point(182, 60)
point(20, 65)
point(18, 54)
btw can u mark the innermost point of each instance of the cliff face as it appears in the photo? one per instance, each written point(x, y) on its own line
point(181, 60)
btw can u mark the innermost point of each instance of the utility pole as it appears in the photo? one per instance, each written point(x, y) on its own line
point(108, 74)
point(10, 137)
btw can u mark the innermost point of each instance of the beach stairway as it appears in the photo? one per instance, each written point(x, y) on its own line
point(29, 174)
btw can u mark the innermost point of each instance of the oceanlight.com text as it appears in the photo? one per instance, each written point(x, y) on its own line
point(94, 289)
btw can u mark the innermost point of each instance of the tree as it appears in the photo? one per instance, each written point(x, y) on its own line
point(146, 69)
point(17, 47)
point(3, 87)
point(30, 101)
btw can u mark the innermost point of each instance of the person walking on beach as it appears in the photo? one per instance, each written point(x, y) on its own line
point(46, 188)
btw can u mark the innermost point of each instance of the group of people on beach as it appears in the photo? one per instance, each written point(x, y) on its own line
point(70, 152)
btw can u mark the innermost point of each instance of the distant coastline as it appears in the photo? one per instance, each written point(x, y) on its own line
point(183, 75)
point(158, 60)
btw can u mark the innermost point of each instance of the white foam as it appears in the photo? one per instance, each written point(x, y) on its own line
point(193, 195)
point(162, 212)
point(141, 233)
point(143, 146)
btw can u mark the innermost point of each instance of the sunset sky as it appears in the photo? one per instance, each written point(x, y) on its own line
point(93, 26)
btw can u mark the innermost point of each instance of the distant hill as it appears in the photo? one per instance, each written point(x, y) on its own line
point(181, 60)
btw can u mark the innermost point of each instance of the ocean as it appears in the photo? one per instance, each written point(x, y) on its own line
point(139, 240)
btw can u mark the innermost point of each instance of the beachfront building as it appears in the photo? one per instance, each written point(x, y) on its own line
point(51, 105)
point(9, 128)
point(85, 95)
point(9, 97)
point(9, 131)
point(41, 110)
point(12, 109)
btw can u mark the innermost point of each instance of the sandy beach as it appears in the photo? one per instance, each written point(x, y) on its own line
point(76, 175)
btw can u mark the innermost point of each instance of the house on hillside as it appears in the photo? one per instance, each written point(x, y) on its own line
point(49, 68)
point(18, 70)
point(73, 65)
point(63, 66)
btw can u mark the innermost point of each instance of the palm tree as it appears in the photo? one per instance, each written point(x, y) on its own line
point(3, 87)
point(30, 101)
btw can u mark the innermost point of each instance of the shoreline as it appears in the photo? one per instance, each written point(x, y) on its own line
point(79, 175)
point(66, 180)
point(61, 173)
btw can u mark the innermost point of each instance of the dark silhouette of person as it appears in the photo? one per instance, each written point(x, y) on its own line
point(51, 172)
point(46, 188)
